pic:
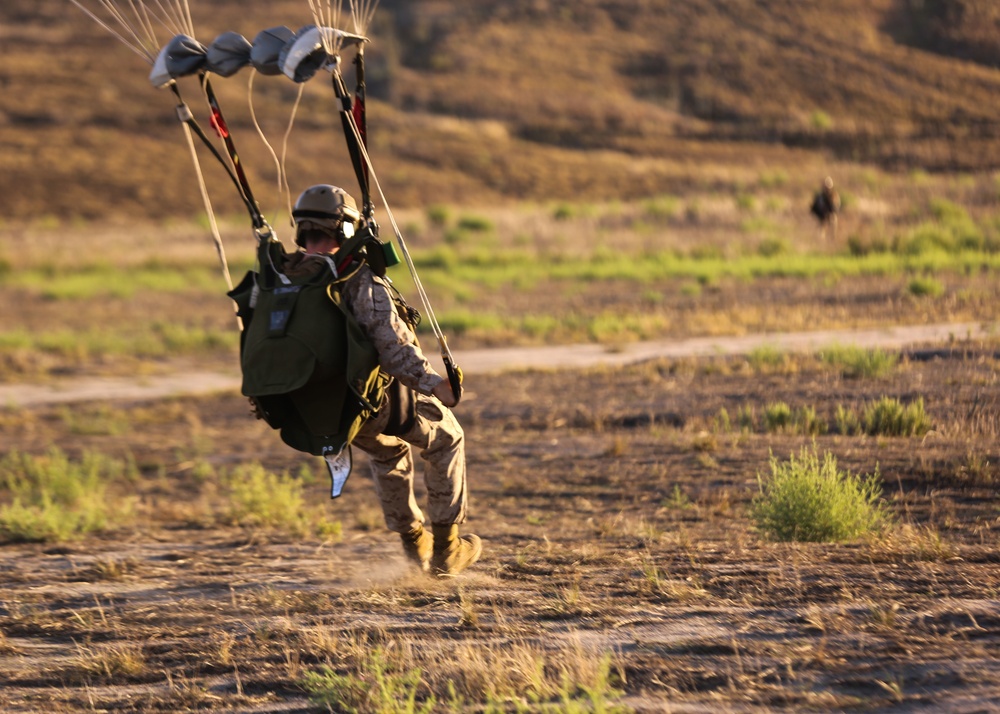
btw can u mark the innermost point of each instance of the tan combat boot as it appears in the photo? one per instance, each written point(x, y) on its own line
point(418, 546)
point(453, 554)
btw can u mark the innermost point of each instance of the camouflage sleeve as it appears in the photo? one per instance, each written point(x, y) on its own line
point(399, 354)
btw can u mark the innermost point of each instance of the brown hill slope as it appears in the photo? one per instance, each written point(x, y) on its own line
point(519, 99)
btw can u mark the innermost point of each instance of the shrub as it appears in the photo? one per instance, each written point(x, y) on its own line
point(807, 422)
point(860, 246)
point(770, 247)
point(773, 179)
point(952, 230)
point(259, 498)
point(438, 215)
point(766, 357)
point(888, 417)
point(777, 417)
point(478, 224)
point(925, 286)
point(809, 499)
point(855, 362)
point(56, 499)
point(846, 421)
point(820, 120)
point(745, 202)
point(662, 207)
point(376, 688)
point(563, 212)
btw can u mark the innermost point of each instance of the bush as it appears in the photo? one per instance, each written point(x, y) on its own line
point(766, 358)
point(855, 362)
point(478, 224)
point(662, 207)
point(781, 418)
point(55, 499)
point(258, 498)
point(925, 287)
point(808, 499)
point(952, 230)
point(439, 215)
point(859, 246)
point(846, 421)
point(563, 212)
point(770, 247)
point(888, 417)
point(777, 417)
point(378, 687)
point(820, 120)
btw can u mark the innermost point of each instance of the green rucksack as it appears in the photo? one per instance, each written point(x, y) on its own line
point(308, 368)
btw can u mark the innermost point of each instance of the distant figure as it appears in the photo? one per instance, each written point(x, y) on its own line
point(826, 206)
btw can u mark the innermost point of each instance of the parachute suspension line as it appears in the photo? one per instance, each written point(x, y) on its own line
point(145, 48)
point(284, 150)
point(327, 15)
point(178, 12)
point(425, 301)
point(143, 17)
point(362, 13)
point(282, 181)
point(216, 236)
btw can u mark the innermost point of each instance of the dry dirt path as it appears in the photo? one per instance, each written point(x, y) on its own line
point(486, 361)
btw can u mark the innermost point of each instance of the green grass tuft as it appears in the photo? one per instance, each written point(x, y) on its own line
point(258, 498)
point(51, 498)
point(889, 417)
point(925, 287)
point(375, 688)
point(856, 362)
point(809, 499)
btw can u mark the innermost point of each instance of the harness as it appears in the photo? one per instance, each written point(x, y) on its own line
point(307, 367)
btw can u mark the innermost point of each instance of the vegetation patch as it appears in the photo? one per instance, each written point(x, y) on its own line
point(54, 498)
point(889, 417)
point(857, 363)
point(807, 498)
point(257, 498)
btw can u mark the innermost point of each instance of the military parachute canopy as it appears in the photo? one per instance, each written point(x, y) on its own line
point(277, 50)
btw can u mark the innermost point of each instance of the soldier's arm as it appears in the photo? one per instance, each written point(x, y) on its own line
point(399, 355)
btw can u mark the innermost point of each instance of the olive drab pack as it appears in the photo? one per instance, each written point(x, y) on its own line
point(307, 366)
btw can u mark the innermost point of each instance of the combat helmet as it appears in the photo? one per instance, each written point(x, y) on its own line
point(327, 207)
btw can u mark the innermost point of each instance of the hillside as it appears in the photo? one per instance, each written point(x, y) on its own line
point(516, 99)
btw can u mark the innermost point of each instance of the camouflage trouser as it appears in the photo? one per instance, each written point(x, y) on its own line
point(438, 434)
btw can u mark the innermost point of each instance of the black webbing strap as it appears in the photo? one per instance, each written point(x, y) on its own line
point(351, 131)
point(185, 115)
point(360, 114)
point(219, 123)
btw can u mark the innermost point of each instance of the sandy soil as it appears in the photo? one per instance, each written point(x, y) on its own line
point(486, 361)
point(613, 503)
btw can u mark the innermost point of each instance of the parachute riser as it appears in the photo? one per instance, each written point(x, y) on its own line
point(357, 147)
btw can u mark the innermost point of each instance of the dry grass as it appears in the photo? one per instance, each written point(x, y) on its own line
point(621, 567)
point(626, 577)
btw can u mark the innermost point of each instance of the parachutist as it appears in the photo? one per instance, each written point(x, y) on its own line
point(350, 315)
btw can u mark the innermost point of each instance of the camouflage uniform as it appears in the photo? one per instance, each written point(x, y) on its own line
point(436, 431)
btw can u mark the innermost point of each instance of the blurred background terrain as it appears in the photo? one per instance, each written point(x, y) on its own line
point(510, 100)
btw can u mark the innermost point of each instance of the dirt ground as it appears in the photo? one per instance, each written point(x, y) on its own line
point(613, 506)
